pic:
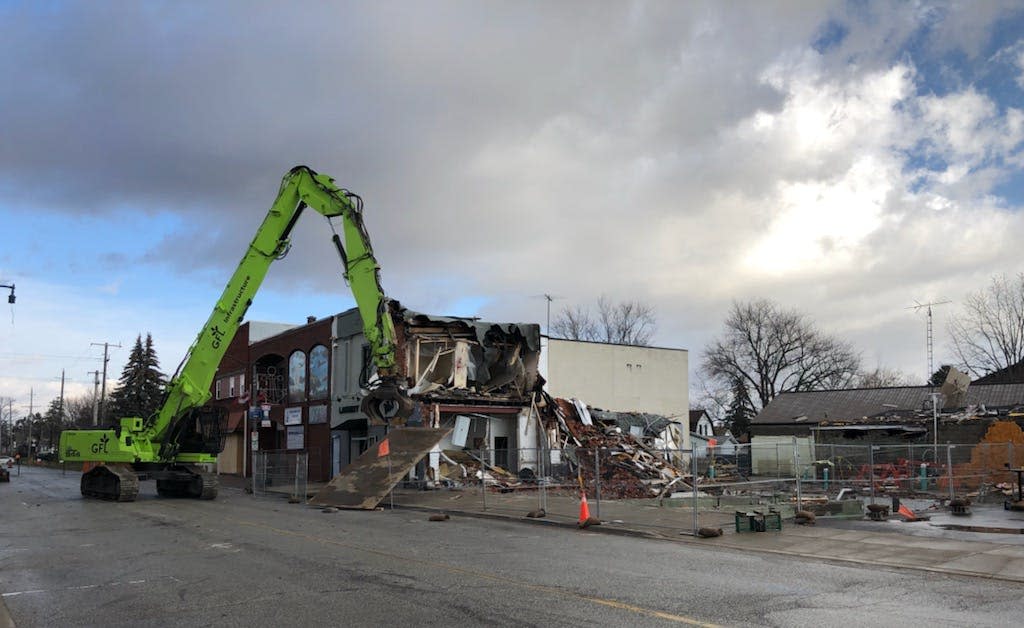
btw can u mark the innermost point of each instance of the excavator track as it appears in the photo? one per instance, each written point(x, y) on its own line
point(112, 482)
point(188, 481)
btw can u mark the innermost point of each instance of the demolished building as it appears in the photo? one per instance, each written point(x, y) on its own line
point(300, 388)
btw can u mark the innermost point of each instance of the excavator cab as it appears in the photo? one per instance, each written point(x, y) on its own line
point(201, 430)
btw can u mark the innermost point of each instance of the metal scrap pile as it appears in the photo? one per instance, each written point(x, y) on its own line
point(628, 467)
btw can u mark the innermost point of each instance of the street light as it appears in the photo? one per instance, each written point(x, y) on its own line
point(10, 297)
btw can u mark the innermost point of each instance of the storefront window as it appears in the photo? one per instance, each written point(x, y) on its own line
point(297, 377)
point(318, 372)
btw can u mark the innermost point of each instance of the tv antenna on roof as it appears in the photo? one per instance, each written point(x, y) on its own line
point(917, 307)
point(549, 298)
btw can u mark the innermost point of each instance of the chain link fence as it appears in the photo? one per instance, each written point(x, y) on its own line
point(281, 472)
point(681, 491)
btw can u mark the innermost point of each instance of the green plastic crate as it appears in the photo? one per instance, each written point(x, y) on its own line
point(757, 521)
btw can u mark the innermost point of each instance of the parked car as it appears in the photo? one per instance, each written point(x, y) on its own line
point(46, 456)
point(6, 461)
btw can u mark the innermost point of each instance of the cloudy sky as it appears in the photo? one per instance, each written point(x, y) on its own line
point(845, 158)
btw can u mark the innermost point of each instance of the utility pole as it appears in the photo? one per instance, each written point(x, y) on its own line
point(95, 397)
point(106, 358)
point(31, 398)
point(60, 405)
point(60, 408)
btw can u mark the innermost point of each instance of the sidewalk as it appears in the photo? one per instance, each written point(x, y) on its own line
point(890, 544)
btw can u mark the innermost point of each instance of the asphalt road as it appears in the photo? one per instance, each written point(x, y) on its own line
point(245, 561)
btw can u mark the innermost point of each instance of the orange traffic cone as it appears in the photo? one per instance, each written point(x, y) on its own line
point(908, 513)
point(585, 519)
point(584, 509)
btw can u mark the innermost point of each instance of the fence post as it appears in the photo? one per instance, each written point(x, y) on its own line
point(255, 470)
point(597, 483)
point(796, 472)
point(949, 468)
point(693, 480)
point(483, 484)
point(778, 463)
point(871, 472)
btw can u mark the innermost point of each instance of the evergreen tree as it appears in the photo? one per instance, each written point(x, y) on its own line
point(52, 425)
point(139, 392)
point(938, 378)
point(155, 381)
point(740, 410)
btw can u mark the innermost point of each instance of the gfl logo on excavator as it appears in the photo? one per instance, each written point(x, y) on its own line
point(100, 447)
point(217, 337)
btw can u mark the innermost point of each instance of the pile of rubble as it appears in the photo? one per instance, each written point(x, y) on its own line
point(628, 467)
point(458, 467)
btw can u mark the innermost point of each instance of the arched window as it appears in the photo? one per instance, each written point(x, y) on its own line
point(318, 372)
point(297, 377)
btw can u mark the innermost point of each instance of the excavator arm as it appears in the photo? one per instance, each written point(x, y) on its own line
point(170, 435)
point(300, 188)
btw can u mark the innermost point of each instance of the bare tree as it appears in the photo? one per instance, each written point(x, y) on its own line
point(769, 351)
point(575, 323)
point(989, 333)
point(79, 410)
point(626, 322)
point(882, 377)
point(623, 323)
point(6, 426)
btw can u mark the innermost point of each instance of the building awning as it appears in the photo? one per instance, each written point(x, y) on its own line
point(235, 418)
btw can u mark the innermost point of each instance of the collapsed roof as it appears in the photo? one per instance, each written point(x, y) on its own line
point(455, 358)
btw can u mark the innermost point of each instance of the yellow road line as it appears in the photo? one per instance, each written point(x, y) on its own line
point(682, 619)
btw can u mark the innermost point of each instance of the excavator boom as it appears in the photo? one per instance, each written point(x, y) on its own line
point(182, 433)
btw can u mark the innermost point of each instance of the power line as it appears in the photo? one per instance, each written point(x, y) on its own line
point(47, 356)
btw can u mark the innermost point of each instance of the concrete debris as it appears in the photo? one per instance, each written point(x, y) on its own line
point(540, 513)
point(709, 533)
point(459, 465)
point(439, 517)
point(629, 467)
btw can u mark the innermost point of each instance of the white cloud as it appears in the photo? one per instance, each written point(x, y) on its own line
point(686, 154)
point(1020, 66)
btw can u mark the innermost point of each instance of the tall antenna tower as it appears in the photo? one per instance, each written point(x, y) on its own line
point(917, 307)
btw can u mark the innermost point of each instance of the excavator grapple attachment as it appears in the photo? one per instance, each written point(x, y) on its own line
point(387, 403)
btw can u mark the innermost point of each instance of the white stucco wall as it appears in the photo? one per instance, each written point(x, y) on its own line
point(620, 377)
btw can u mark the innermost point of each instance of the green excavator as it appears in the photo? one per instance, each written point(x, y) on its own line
point(170, 445)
